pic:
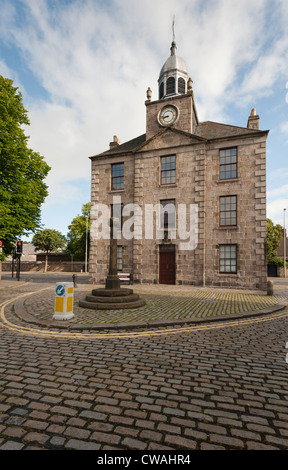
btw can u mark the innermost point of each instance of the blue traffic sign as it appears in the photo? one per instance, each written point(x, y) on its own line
point(60, 290)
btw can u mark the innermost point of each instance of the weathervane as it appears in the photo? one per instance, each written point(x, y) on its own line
point(173, 29)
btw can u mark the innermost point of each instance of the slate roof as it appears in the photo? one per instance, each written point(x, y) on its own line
point(207, 130)
point(124, 148)
point(213, 130)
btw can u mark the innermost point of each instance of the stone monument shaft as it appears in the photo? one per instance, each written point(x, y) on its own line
point(112, 280)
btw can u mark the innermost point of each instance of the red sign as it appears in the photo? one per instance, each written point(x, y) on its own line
point(1, 243)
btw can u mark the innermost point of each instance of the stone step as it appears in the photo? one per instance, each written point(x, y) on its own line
point(112, 300)
point(111, 306)
point(112, 292)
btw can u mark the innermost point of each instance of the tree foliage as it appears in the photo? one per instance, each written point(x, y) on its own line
point(22, 171)
point(77, 234)
point(274, 233)
point(49, 240)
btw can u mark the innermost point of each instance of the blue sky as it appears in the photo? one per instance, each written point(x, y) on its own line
point(83, 68)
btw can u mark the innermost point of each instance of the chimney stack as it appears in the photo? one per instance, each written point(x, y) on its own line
point(253, 120)
point(116, 142)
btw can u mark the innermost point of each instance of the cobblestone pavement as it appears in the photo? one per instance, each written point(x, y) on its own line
point(164, 305)
point(198, 386)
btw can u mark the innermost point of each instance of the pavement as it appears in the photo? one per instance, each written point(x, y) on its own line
point(195, 369)
point(165, 305)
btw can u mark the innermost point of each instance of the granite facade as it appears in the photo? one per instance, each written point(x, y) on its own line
point(197, 148)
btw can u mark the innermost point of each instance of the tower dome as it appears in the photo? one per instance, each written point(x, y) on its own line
point(173, 78)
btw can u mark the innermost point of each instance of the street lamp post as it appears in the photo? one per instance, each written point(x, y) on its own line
point(284, 244)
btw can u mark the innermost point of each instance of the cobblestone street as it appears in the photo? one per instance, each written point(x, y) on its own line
point(192, 386)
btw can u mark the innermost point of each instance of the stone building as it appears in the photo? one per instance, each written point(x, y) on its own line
point(218, 171)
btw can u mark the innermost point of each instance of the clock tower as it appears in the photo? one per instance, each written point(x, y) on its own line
point(216, 172)
point(175, 105)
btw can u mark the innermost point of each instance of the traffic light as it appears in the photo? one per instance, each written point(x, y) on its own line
point(19, 247)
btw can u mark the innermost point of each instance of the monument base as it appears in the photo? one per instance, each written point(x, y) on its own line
point(112, 282)
point(112, 299)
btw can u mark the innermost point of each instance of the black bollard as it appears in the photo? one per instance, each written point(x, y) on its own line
point(74, 277)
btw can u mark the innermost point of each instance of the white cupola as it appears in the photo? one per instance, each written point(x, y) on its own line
point(173, 79)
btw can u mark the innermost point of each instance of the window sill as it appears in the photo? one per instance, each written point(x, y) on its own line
point(113, 191)
point(172, 185)
point(228, 180)
point(228, 274)
point(229, 227)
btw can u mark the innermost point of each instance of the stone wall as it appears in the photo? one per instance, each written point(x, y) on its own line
point(280, 271)
point(250, 233)
point(35, 266)
point(101, 193)
point(197, 183)
point(190, 172)
point(187, 118)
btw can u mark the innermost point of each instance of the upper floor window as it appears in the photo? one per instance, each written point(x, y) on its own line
point(119, 258)
point(228, 163)
point(161, 91)
point(181, 86)
point(168, 170)
point(117, 180)
point(170, 86)
point(228, 211)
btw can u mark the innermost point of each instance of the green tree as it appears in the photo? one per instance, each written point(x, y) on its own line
point(274, 233)
point(48, 240)
point(77, 234)
point(22, 171)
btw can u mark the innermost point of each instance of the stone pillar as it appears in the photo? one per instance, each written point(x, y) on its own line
point(112, 280)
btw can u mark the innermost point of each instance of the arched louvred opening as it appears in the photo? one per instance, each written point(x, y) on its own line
point(181, 86)
point(170, 86)
point(161, 91)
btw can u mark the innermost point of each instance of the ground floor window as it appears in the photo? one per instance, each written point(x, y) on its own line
point(119, 258)
point(228, 259)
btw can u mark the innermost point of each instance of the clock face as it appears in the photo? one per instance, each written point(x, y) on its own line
point(168, 115)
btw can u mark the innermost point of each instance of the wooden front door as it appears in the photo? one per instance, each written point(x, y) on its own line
point(167, 265)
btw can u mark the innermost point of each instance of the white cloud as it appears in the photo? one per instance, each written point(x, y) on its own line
point(277, 198)
point(275, 210)
point(284, 127)
point(282, 190)
point(96, 60)
point(5, 71)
